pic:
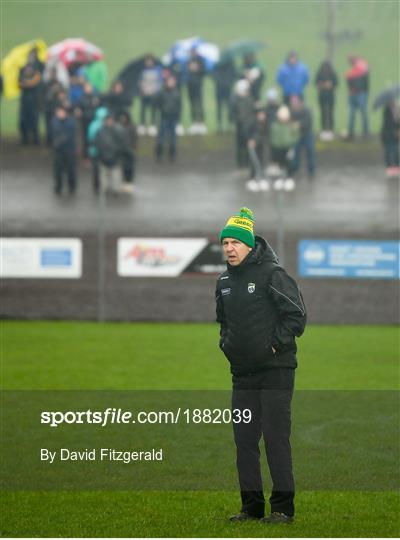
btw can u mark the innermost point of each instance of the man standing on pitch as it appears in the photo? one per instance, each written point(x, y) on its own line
point(260, 310)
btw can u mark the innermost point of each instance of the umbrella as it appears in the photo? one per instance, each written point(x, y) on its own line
point(75, 50)
point(130, 75)
point(61, 70)
point(97, 74)
point(241, 48)
point(180, 52)
point(15, 60)
point(387, 96)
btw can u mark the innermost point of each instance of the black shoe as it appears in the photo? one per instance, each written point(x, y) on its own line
point(278, 517)
point(242, 516)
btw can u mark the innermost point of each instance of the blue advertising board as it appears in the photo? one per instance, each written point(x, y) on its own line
point(349, 259)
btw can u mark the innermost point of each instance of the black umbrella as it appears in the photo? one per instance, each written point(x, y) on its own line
point(240, 48)
point(387, 96)
point(130, 75)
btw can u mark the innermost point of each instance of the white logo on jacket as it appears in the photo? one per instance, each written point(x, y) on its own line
point(251, 287)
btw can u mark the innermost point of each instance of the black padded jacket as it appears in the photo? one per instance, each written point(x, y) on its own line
point(259, 307)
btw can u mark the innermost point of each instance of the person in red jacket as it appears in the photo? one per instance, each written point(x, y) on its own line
point(357, 78)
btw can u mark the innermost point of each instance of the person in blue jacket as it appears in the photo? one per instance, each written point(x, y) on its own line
point(292, 76)
point(63, 131)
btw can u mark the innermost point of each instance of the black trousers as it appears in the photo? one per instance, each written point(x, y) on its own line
point(64, 163)
point(268, 395)
point(222, 103)
point(260, 152)
point(326, 106)
point(85, 142)
point(148, 102)
point(392, 153)
point(196, 106)
point(29, 123)
point(242, 155)
point(48, 118)
point(128, 167)
point(167, 131)
point(281, 157)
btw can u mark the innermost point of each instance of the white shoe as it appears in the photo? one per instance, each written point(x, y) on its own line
point(202, 129)
point(279, 184)
point(263, 185)
point(252, 185)
point(152, 131)
point(141, 130)
point(273, 170)
point(180, 130)
point(289, 184)
point(127, 187)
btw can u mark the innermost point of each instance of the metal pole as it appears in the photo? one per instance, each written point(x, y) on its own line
point(330, 30)
point(101, 263)
point(280, 236)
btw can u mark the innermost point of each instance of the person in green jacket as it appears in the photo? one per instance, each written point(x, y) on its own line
point(283, 136)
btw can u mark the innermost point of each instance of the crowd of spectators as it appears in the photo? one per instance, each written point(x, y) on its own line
point(272, 129)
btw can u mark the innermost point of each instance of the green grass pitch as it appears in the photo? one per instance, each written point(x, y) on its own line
point(72, 355)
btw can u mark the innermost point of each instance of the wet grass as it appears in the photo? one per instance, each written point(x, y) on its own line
point(193, 514)
point(48, 355)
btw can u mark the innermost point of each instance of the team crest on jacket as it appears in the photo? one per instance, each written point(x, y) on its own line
point(251, 287)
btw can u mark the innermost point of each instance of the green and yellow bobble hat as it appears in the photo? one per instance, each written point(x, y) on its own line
point(240, 227)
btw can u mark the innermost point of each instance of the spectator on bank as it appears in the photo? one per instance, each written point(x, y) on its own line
point(271, 108)
point(30, 84)
point(390, 137)
point(357, 78)
point(293, 77)
point(63, 131)
point(150, 84)
point(116, 101)
point(195, 75)
point(302, 116)
point(254, 73)
point(62, 100)
point(86, 110)
point(76, 91)
point(94, 127)
point(224, 75)
point(34, 60)
point(326, 82)
point(242, 114)
point(257, 138)
point(284, 134)
point(169, 104)
point(51, 88)
point(175, 70)
point(128, 151)
point(110, 144)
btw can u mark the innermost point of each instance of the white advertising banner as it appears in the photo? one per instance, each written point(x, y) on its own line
point(157, 257)
point(41, 258)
